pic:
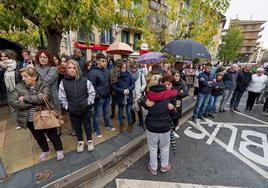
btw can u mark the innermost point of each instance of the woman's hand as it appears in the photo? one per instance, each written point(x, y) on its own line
point(126, 92)
point(149, 103)
point(21, 98)
point(170, 106)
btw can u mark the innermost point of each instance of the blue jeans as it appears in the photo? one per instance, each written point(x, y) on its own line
point(211, 106)
point(235, 100)
point(120, 113)
point(104, 103)
point(201, 104)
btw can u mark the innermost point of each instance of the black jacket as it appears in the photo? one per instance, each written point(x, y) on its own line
point(243, 80)
point(217, 88)
point(100, 78)
point(76, 94)
point(158, 119)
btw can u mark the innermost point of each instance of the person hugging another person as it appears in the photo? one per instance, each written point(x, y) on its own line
point(158, 122)
point(77, 95)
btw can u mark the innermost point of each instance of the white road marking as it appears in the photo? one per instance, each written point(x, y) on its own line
point(240, 113)
point(131, 183)
point(238, 155)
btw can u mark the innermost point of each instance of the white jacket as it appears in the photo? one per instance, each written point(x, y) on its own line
point(140, 86)
point(257, 83)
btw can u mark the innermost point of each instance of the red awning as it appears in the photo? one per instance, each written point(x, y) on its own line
point(92, 47)
point(144, 51)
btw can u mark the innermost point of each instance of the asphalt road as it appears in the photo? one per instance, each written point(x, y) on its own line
point(230, 150)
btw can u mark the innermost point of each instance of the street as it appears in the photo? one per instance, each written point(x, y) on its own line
point(228, 151)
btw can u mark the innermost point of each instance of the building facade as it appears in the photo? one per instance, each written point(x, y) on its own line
point(251, 30)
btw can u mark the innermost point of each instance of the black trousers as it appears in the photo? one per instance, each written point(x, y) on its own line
point(265, 106)
point(77, 122)
point(40, 137)
point(133, 114)
point(195, 91)
point(113, 106)
point(251, 99)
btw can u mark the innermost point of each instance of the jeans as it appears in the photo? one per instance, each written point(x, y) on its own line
point(159, 141)
point(120, 113)
point(235, 100)
point(225, 97)
point(104, 103)
point(77, 122)
point(211, 106)
point(201, 105)
point(41, 139)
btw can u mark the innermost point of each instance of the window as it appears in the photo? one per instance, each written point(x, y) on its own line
point(125, 35)
point(247, 49)
point(106, 36)
point(85, 35)
point(137, 37)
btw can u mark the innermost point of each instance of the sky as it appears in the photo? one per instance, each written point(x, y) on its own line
point(245, 9)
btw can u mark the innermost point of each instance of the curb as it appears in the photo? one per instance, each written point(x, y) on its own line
point(88, 173)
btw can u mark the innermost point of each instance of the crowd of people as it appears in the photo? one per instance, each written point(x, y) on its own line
point(151, 96)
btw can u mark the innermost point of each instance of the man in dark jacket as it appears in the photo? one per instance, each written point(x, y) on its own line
point(79, 58)
point(243, 79)
point(205, 87)
point(100, 78)
point(229, 80)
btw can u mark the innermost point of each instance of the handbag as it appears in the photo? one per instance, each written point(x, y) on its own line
point(47, 118)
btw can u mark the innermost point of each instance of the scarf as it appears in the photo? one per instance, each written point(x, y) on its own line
point(135, 75)
point(62, 70)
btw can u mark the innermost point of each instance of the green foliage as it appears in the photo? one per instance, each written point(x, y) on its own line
point(199, 20)
point(231, 44)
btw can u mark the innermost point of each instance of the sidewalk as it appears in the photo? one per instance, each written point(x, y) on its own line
point(19, 153)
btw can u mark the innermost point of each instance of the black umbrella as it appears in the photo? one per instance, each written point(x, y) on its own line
point(8, 44)
point(187, 48)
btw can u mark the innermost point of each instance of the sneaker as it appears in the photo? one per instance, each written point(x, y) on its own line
point(211, 116)
point(265, 113)
point(195, 97)
point(232, 109)
point(112, 116)
point(166, 168)
point(90, 145)
point(111, 128)
point(176, 135)
point(194, 119)
point(236, 109)
point(18, 127)
point(60, 155)
point(154, 172)
point(80, 147)
point(43, 155)
point(201, 118)
point(98, 134)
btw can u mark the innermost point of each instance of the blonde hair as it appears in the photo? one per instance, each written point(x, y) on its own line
point(30, 70)
point(77, 67)
point(155, 80)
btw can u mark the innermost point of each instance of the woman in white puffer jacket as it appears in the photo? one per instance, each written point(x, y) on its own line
point(255, 87)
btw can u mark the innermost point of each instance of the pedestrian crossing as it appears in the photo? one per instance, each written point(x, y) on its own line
point(131, 183)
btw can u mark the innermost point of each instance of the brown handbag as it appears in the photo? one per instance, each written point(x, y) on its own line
point(47, 118)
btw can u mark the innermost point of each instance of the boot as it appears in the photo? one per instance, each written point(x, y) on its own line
point(121, 127)
point(130, 128)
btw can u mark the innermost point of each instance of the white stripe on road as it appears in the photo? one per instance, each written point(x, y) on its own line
point(238, 155)
point(264, 122)
point(130, 183)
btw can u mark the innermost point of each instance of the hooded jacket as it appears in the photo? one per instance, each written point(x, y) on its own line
point(158, 119)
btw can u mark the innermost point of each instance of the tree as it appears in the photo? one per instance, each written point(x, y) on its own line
point(56, 17)
point(197, 19)
point(231, 44)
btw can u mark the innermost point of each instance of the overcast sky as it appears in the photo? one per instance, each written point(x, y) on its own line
point(244, 9)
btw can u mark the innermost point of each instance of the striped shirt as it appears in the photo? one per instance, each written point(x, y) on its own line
point(31, 110)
